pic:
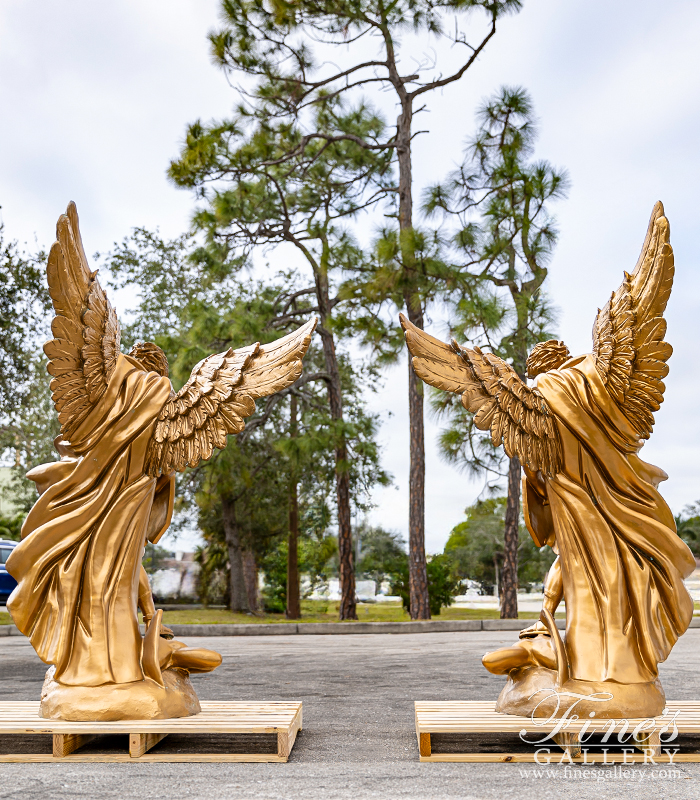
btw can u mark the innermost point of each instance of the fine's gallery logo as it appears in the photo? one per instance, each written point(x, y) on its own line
point(611, 735)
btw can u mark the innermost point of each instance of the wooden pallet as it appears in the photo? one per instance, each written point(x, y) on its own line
point(282, 719)
point(481, 718)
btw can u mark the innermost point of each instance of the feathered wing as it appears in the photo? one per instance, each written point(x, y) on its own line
point(220, 393)
point(516, 415)
point(83, 353)
point(628, 334)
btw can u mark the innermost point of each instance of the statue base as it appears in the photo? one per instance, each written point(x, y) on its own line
point(473, 731)
point(234, 731)
point(533, 691)
point(144, 699)
point(537, 688)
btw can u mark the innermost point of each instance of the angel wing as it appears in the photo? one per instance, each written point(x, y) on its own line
point(516, 415)
point(218, 396)
point(628, 333)
point(83, 353)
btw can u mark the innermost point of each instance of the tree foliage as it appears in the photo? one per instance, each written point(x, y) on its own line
point(258, 196)
point(28, 422)
point(242, 494)
point(688, 526)
point(306, 152)
point(496, 210)
point(500, 236)
point(10, 526)
point(443, 584)
point(24, 304)
point(475, 547)
point(27, 435)
point(382, 553)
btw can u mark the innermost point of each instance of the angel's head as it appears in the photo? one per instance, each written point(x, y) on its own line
point(151, 357)
point(546, 356)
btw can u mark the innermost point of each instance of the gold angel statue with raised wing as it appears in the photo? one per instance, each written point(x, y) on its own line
point(124, 435)
point(578, 431)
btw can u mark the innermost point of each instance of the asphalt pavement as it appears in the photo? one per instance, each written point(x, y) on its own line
point(359, 738)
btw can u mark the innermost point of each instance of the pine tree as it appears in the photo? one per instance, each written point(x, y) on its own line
point(257, 197)
point(194, 301)
point(282, 61)
point(504, 239)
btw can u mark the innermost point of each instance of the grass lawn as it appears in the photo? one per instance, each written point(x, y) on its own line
point(320, 611)
point(315, 611)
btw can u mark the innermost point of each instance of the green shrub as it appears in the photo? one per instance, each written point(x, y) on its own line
point(443, 586)
point(10, 527)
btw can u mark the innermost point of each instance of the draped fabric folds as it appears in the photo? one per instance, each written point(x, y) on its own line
point(78, 563)
point(622, 561)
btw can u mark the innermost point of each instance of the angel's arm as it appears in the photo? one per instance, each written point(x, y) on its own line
point(83, 353)
point(145, 602)
point(628, 334)
point(219, 395)
point(536, 509)
point(553, 587)
point(516, 416)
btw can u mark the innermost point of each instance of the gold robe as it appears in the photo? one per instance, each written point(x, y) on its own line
point(622, 561)
point(78, 563)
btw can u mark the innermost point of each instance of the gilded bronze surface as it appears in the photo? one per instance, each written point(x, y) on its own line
point(124, 434)
point(587, 493)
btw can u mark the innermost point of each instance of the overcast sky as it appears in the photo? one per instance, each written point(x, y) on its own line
point(95, 97)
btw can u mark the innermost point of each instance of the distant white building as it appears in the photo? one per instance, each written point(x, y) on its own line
point(177, 578)
point(8, 508)
point(365, 592)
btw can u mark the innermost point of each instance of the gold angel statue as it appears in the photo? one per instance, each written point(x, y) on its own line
point(587, 493)
point(124, 435)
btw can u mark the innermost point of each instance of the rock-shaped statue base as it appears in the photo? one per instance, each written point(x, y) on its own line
point(535, 686)
point(533, 691)
point(138, 700)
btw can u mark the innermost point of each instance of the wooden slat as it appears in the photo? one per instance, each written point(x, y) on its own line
point(481, 717)
point(466, 717)
point(569, 743)
point(66, 743)
point(140, 743)
point(182, 758)
point(228, 717)
point(424, 746)
point(222, 717)
point(648, 742)
point(529, 758)
point(286, 738)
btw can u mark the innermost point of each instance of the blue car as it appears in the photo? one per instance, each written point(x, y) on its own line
point(7, 582)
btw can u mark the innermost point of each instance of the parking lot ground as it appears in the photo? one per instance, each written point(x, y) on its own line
point(359, 737)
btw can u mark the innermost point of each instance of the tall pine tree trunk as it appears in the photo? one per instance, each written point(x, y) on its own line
point(348, 609)
point(293, 596)
point(417, 569)
point(293, 600)
point(239, 593)
point(509, 573)
point(250, 573)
